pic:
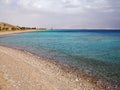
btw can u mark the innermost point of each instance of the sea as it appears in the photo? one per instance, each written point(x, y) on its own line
point(94, 50)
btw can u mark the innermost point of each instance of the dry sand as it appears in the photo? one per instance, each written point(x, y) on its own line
point(18, 31)
point(4, 84)
point(24, 71)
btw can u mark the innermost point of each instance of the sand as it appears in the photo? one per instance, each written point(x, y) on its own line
point(18, 31)
point(4, 84)
point(21, 70)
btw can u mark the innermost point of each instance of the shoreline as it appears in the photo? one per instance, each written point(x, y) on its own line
point(67, 72)
point(17, 31)
point(50, 69)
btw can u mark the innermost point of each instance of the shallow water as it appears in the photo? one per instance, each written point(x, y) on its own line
point(97, 51)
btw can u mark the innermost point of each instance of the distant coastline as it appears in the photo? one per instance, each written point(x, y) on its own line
point(17, 31)
point(9, 27)
point(6, 28)
point(88, 29)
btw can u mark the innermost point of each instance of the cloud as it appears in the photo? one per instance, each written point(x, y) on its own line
point(66, 6)
point(62, 13)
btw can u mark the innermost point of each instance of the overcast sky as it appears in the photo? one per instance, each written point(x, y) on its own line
point(61, 13)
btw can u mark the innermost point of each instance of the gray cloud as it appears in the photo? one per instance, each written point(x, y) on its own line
point(62, 13)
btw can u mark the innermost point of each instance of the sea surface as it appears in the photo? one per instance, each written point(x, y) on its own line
point(94, 50)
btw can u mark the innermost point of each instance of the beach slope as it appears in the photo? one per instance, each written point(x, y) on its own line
point(24, 71)
point(17, 31)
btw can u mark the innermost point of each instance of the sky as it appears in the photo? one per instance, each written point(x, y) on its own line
point(62, 14)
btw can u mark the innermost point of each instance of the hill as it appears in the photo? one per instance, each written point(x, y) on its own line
point(9, 27)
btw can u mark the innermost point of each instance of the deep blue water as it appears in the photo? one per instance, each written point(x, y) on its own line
point(96, 50)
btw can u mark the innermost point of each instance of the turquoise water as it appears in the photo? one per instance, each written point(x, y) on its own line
point(98, 51)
